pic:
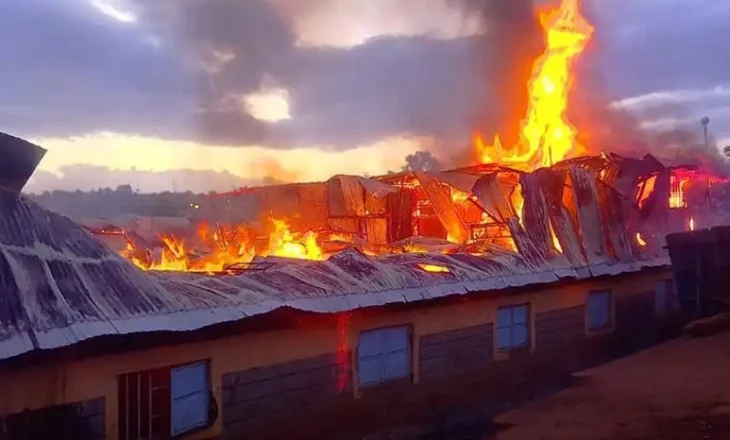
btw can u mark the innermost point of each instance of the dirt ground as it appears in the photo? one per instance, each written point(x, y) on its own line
point(676, 391)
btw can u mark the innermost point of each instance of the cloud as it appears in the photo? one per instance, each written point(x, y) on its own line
point(91, 177)
point(180, 70)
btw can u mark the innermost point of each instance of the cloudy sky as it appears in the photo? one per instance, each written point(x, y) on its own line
point(212, 94)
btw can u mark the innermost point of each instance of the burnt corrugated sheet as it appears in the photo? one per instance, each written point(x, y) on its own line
point(589, 215)
point(563, 224)
point(59, 286)
point(492, 196)
point(444, 208)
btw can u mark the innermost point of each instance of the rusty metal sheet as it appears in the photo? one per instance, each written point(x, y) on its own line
point(563, 224)
point(616, 221)
point(375, 205)
point(280, 200)
point(374, 187)
point(353, 195)
point(313, 205)
point(444, 208)
point(376, 230)
point(493, 197)
point(343, 224)
point(464, 182)
point(589, 216)
point(535, 218)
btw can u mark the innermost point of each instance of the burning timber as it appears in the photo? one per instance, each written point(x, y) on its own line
point(359, 242)
point(580, 212)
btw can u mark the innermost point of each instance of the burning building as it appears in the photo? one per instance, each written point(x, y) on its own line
point(308, 310)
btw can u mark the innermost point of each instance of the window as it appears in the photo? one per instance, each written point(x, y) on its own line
point(383, 355)
point(598, 310)
point(513, 329)
point(164, 402)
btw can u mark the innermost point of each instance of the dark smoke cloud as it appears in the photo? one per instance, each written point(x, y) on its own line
point(505, 54)
point(182, 70)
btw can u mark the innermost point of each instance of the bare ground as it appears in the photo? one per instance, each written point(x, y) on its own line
point(676, 391)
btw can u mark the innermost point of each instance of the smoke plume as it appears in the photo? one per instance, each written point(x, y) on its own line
point(505, 53)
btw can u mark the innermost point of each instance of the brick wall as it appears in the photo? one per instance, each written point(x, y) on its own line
point(636, 322)
point(453, 353)
point(257, 400)
point(77, 421)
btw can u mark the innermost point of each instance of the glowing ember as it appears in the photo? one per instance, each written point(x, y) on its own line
point(228, 248)
point(691, 223)
point(678, 186)
point(556, 242)
point(645, 190)
point(282, 243)
point(640, 240)
point(433, 268)
point(546, 136)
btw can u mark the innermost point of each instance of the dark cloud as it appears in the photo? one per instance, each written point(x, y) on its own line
point(69, 70)
point(182, 70)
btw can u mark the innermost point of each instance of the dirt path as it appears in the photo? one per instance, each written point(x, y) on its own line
point(676, 391)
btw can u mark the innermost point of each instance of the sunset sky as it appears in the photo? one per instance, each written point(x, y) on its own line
point(210, 95)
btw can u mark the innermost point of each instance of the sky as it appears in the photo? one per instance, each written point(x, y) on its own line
point(214, 94)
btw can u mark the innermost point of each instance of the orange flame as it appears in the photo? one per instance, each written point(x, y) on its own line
point(678, 185)
point(640, 240)
point(691, 223)
point(546, 136)
point(228, 248)
point(646, 189)
point(433, 268)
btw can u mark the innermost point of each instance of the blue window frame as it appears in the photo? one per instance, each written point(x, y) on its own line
point(383, 355)
point(513, 327)
point(189, 393)
point(598, 310)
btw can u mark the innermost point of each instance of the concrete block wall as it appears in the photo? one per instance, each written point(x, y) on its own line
point(464, 351)
point(560, 329)
point(255, 399)
point(76, 421)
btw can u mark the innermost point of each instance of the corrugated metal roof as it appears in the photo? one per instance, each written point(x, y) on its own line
point(60, 286)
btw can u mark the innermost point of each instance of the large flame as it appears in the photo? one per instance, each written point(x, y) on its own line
point(546, 135)
point(228, 248)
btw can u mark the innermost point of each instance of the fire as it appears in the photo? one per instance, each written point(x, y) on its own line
point(282, 243)
point(228, 248)
point(678, 185)
point(433, 268)
point(691, 223)
point(556, 242)
point(646, 189)
point(546, 136)
point(640, 240)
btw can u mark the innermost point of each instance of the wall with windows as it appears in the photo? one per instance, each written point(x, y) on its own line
point(383, 358)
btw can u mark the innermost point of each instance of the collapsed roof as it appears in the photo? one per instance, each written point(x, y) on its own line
point(61, 285)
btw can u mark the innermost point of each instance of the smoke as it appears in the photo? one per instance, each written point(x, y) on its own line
point(505, 53)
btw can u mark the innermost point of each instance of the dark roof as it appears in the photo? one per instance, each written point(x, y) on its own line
point(19, 160)
point(58, 284)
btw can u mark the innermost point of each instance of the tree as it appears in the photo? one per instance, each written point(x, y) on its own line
point(726, 151)
point(421, 161)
